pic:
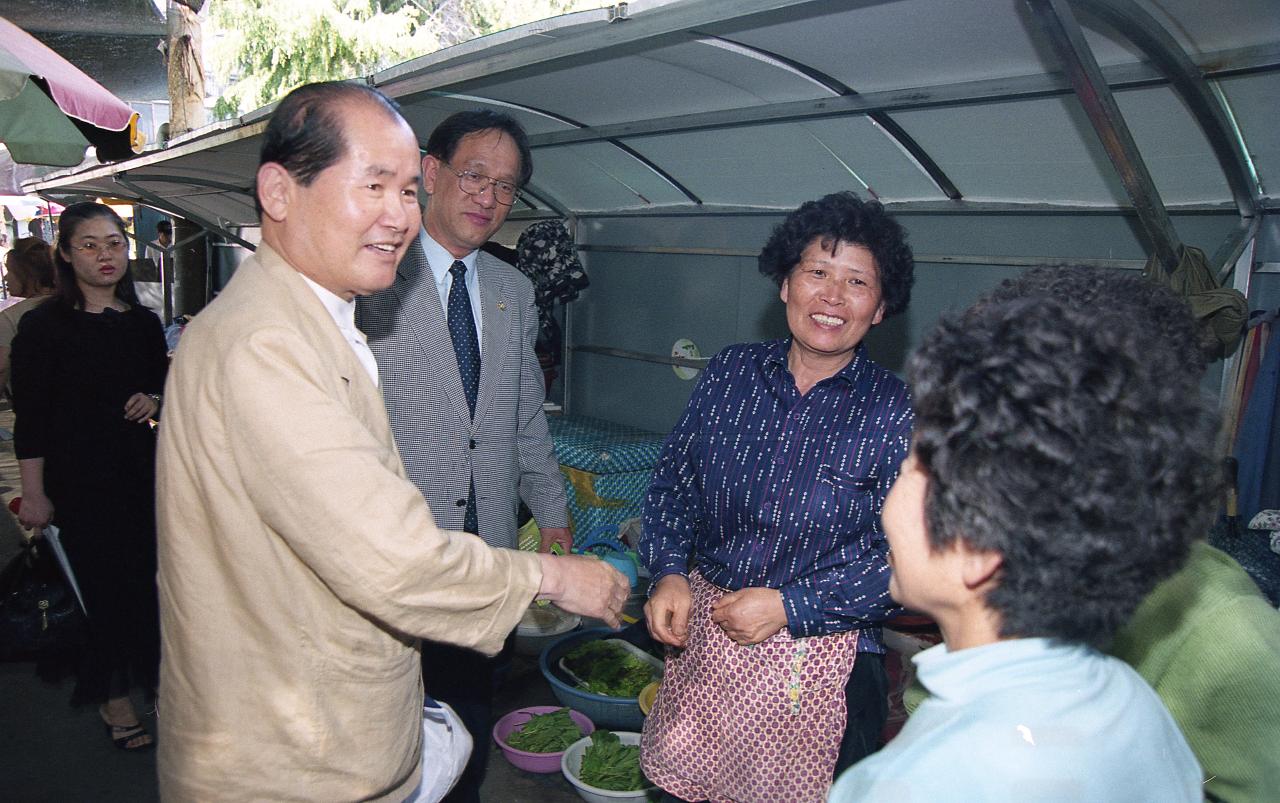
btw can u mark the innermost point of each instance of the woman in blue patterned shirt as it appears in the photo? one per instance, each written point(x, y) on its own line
point(762, 527)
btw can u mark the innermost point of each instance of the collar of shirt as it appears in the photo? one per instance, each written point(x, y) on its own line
point(344, 316)
point(851, 373)
point(963, 675)
point(440, 260)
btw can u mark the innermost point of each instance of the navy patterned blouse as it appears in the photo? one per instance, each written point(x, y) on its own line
point(760, 486)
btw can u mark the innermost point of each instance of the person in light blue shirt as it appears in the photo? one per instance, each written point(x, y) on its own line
point(1057, 473)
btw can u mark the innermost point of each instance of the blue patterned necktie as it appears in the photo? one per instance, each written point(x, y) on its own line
point(462, 331)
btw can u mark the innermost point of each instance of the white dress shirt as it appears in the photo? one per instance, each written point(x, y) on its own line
point(344, 315)
point(440, 261)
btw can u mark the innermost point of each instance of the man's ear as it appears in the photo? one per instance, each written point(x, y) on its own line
point(430, 169)
point(275, 190)
point(978, 567)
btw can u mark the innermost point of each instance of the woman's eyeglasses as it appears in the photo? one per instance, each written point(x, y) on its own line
point(108, 247)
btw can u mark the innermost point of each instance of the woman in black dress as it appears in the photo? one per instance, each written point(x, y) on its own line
point(88, 367)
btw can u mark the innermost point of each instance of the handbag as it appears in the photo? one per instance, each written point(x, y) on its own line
point(39, 616)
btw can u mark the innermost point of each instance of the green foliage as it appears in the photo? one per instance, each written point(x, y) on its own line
point(609, 764)
point(546, 733)
point(606, 668)
point(262, 49)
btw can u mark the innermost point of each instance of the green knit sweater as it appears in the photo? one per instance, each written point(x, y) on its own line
point(1208, 642)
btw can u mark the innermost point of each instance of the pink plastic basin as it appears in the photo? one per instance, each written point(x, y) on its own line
point(534, 762)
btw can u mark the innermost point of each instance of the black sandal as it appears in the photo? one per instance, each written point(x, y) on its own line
point(121, 735)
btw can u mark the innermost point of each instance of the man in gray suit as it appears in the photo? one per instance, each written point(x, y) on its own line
point(453, 337)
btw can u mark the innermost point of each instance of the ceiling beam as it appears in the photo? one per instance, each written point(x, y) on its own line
point(1081, 68)
point(966, 93)
point(1188, 81)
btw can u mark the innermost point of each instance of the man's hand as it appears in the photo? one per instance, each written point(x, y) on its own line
point(667, 611)
point(751, 615)
point(584, 585)
point(555, 535)
point(35, 512)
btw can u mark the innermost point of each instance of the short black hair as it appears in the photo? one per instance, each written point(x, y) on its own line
point(1161, 309)
point(443, 142)
point(1051, 436)
point(843, 217)
point(164, 227)
point(306, 134)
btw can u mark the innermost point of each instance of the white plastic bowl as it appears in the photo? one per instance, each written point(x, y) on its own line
point(533, 636)
point(571, 765)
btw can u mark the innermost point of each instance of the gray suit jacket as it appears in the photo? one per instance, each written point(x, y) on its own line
point(506, 448)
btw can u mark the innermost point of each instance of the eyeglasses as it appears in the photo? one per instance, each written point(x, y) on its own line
point(93, 248)
point(472, 183)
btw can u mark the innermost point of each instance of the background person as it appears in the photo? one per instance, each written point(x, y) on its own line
point(453, 336)
point(1058, 471)
point(164, 238)
point(762, 527)
point(35, 228)
point(88, 367)
point(28, 275)
point(298, 564)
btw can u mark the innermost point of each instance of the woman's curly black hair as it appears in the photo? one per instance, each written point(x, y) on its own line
point(1052, 436)
point(844, 217)
point(1161, 309)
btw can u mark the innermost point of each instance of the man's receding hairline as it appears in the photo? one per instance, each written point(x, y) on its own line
point(352, 102)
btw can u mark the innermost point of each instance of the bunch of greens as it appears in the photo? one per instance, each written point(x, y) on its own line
point(610, 764)
point(609, 669)
point(546, 733)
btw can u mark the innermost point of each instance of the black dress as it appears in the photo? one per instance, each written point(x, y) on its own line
point(72, 372)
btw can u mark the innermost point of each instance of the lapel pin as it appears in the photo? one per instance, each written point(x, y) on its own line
point(502, 305)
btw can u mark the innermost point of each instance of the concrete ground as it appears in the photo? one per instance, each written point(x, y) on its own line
point(52, 752)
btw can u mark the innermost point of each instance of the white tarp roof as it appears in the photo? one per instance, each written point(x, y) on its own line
point(762, 104)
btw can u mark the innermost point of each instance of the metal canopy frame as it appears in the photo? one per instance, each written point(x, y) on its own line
point(1081, 68)
point(1094, 94)
point(588, 37)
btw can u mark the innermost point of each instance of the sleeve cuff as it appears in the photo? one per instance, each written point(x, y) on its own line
point(803, 613)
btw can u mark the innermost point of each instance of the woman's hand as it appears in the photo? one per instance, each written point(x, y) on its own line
point(667, 611)
point(140, 407)
point(751, 615)
point(35, 512)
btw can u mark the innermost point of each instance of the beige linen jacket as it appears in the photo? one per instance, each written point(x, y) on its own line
point(298, 565)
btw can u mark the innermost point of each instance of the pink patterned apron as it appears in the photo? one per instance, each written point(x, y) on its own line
point(736, 724)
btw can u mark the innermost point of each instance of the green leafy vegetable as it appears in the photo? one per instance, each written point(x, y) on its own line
point(609, 669)
point(546, 733)
point(610, 764)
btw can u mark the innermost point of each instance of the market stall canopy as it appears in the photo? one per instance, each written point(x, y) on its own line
point(51, 112)
point(690, 106)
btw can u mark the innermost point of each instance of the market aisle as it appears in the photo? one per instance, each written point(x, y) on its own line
point(50, 751)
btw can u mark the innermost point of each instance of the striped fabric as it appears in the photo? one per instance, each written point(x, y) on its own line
point(506, 446)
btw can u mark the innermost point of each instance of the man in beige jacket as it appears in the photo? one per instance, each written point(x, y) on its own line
point(298, 566)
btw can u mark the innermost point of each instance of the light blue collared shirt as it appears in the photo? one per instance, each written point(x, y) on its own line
point(440, 261)
point(1029, 720)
